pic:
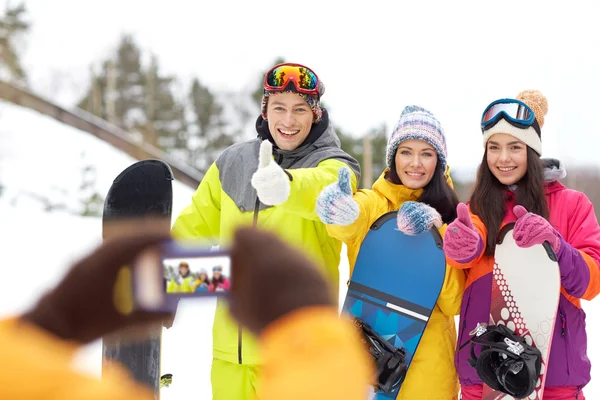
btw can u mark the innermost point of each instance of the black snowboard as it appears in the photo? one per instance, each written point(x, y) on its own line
point(142, 190)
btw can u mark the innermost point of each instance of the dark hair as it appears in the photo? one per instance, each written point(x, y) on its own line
point(437, 193)
point(206, 279)
point(488, 200)
point(221, 278)
point(187, 266)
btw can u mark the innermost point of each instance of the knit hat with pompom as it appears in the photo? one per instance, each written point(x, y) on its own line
point(539, 105)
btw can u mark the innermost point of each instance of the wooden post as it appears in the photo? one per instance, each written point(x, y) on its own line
point(111, 93)
point(367, 167)
point(96, 96)
point(151, 90)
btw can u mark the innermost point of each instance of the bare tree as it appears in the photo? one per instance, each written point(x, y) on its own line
point(12, 28)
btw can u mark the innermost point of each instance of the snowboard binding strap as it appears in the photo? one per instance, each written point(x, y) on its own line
point(506, 362)
point(389, 360)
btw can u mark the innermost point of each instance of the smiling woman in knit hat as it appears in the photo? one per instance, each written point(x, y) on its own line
point(511, 187)
point(417, 183)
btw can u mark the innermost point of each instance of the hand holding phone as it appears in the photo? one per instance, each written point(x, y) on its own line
point(177, 270)
point(272, 279)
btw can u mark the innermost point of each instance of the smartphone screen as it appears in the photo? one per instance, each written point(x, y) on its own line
point(177, 270)
point(197, 274)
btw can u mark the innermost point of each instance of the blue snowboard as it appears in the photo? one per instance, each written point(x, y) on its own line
point(395, 284)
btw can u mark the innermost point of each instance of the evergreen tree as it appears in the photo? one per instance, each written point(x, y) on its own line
point(138, 99)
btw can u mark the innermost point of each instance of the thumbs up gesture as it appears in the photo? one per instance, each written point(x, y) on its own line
point(271, 182)
point(335, 204)
point(531, 229)
point(462, 242)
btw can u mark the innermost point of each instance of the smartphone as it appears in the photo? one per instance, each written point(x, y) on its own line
point(176, 270)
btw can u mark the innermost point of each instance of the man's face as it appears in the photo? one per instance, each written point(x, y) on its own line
point(184, 270)
point(290, 119)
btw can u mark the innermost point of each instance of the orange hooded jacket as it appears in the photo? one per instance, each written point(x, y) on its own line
point(309, 353)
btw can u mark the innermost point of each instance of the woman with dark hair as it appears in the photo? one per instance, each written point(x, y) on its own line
point(202, 282)
point(219, 282)
point(417, 183)
point(515, 185)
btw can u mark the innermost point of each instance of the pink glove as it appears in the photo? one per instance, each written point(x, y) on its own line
point(531, 229)
point(462, 242)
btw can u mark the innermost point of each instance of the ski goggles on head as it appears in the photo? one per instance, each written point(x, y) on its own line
point(303, 78)
point(513, 111)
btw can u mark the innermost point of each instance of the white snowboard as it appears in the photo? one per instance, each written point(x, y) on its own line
point(525, 295)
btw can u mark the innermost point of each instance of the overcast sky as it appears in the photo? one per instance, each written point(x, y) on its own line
point(453, 58)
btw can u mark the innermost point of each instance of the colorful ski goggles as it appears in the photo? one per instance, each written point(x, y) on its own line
point(513, 111)
point(303, 78)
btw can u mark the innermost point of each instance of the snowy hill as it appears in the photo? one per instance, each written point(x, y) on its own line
point(43, 244)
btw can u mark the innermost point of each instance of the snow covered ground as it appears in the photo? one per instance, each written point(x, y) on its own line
point(38, 247)
point(42, 245)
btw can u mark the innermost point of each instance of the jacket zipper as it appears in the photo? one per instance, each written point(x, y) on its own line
point(464, 324)
point(563, 325)
point(239, 344)
point(254, 224)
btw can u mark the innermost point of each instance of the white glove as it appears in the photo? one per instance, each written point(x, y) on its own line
point(171, 274)
point(271, 182)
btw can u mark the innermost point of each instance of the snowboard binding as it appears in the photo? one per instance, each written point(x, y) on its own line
point(506, 362)
point(389, 360)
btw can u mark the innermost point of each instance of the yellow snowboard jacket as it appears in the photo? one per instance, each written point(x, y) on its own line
point(432, 374)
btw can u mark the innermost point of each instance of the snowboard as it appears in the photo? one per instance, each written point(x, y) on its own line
point(525, 296)
point(144, 189)
point(393, 289)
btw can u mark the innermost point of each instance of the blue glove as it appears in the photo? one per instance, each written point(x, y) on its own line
point(415, 218)
point(335, 204)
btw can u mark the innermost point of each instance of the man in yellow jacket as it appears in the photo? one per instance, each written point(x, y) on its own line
point(182, 283)
point(308, 351)
point(272, 182)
